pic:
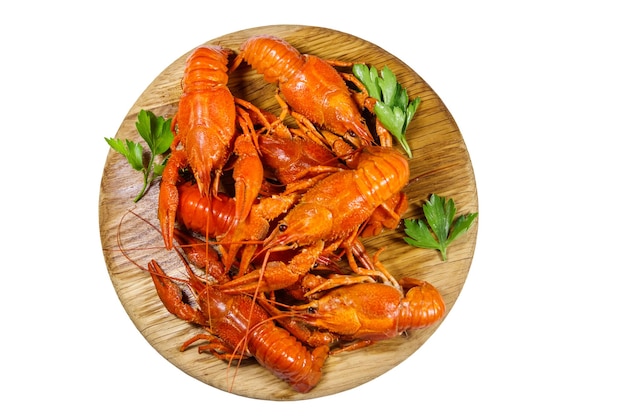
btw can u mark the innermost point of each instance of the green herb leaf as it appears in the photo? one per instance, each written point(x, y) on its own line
point(131, 150)
point(393, 108)
point(157, 133)
point(388, 85)
point(135, 155)
point(368, 77)
point(439, 215)
point(441, 228)
point(419, 234)
point(392, 119)
point(411, 109)
point(461, 225)
point(117, 144)
point(401, 98)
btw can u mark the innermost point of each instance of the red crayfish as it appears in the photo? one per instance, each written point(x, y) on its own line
point(304, 197)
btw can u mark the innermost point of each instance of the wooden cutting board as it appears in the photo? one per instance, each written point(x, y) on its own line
point(440, 162)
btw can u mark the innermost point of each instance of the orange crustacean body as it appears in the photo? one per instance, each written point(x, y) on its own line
point(206, 136)
point(238, 328)
point(206, 117)
point(276, 214)
point(375, 311)
point(310, 85)
point(326, 217)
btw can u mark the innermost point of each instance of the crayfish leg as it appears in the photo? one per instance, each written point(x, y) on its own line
point(373, 267)
point(297, 327)
point(350, 347)
point(338, 280)
point(214, 345)
point(201, 254)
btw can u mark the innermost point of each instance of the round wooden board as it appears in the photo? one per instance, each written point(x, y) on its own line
point(440, 162)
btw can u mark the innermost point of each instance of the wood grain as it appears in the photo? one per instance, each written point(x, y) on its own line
point(441, 165)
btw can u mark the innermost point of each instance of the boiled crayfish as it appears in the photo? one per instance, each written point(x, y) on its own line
point(205, 128)
point(368, 312)
point(291, 230)
point(319, 223)
point(311, 86)
point(238, 328)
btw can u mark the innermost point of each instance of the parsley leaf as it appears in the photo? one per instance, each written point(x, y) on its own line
point(441, 226)
point(157, 133)
point(131, 150)
point(368, 77)
point(393, 107)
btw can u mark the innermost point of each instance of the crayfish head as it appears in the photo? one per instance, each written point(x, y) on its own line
point(305, 224)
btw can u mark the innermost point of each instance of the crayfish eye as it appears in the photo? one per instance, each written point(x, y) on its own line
point(282, 227)
point(311, 310)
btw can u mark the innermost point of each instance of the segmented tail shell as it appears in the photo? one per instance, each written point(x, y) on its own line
point(421, 307)
point(238, 318)
point(279, 351)
point(382, 173)
point(273, 57)
point(206, 66)
point(197, 212)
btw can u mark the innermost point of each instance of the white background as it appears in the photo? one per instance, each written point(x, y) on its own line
point(537, 89)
